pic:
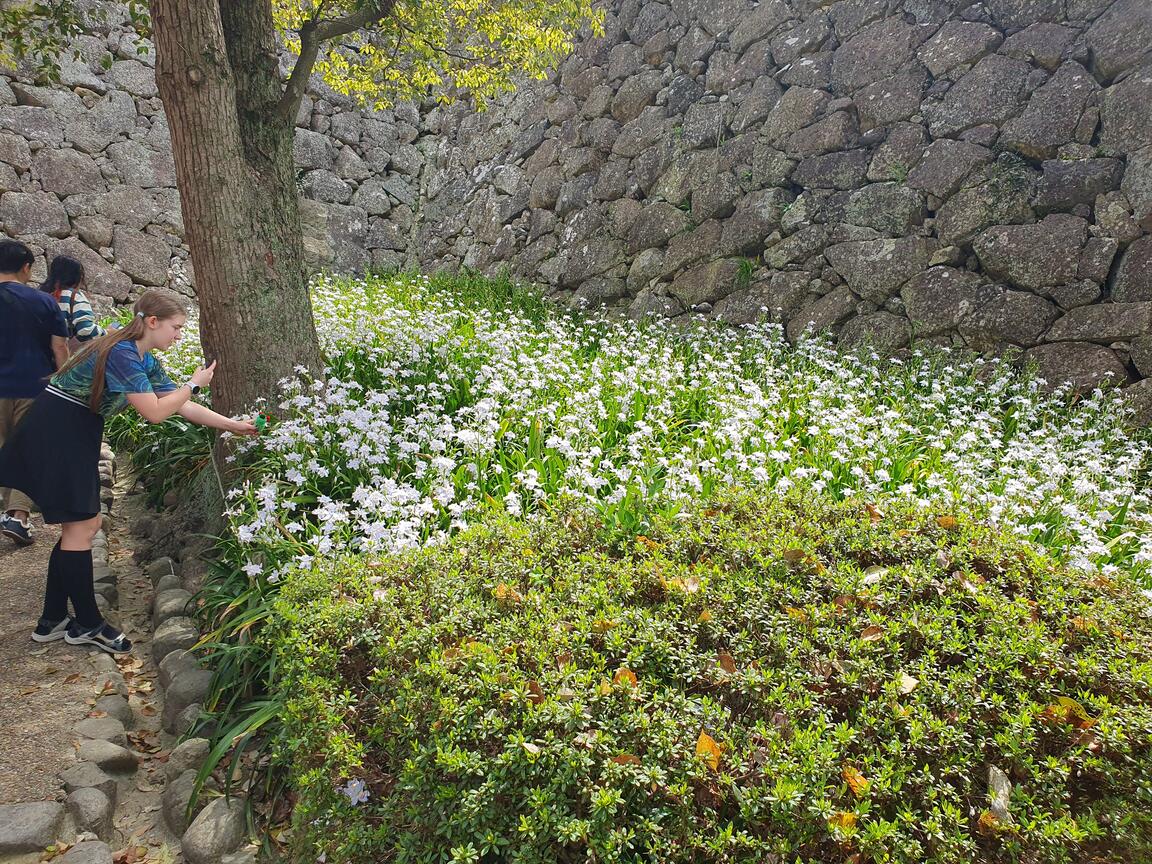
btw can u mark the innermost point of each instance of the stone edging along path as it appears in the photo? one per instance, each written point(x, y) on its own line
point(125, 799)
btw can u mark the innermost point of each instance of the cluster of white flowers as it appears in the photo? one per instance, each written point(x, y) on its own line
point(434, 407)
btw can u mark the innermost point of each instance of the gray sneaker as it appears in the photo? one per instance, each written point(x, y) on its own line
point(19, 530)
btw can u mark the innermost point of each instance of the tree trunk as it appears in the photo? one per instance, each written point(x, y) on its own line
point(235, 173)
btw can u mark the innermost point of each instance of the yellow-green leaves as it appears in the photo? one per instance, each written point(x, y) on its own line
point(480, 48)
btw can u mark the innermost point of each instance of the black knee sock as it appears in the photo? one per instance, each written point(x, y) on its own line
point(55, 593)
point(76, 567)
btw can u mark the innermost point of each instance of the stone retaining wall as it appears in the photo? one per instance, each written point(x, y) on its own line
point(968, 173)
point(973, 174)
point(86, 170)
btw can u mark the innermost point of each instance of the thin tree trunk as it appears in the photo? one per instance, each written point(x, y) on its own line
point(234, 171)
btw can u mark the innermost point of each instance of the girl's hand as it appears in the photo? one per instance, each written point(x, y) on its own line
point(242, 427)
point(202, 377)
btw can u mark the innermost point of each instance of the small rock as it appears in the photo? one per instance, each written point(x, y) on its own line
point(112, 682)
point(187, 688)
point(170, 604)
point(116, 706)
point(92, 852)
point(88, 775)
point(188, 719)
point(173, 664)
point(174, 802)
point(188, 756)
point(29, 827)
point(91, 811)
point(1000, 792)
point(160, 567)
point(173, 634)
point(218, 830)
point(168, 583)
point(247, 855)
point(108, 756)
point(102, 729)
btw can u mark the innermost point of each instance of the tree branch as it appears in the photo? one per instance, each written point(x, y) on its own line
point(312, 36)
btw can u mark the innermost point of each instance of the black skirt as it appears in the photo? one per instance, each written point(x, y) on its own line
point(53, 457)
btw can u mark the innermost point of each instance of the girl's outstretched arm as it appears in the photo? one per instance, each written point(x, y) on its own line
point(204, 416)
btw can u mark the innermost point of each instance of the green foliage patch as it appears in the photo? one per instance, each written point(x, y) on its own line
point(760, 677)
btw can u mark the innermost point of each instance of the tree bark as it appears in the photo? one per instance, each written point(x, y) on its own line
point(217, 74)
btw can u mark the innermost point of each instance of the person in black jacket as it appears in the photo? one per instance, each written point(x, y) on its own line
point(33, 344)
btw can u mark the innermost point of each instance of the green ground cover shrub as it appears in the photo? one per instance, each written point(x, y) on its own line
point(450, 402)
point(758, 679)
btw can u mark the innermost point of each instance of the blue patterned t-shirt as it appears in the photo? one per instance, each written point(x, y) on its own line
point(126, 372)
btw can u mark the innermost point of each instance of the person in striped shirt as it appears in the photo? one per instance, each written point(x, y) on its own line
point(65, 276)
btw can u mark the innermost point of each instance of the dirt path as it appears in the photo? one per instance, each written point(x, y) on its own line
point(46, 688)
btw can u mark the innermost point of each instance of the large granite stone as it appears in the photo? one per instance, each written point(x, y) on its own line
point(144, 257)
point(313, 150)
point(1134, 274)
point(937, 300)
point(1084, 365)
point(655, 226)
point(958, 43)
point(890, 208)
point(91, 811)
point(1034, 257)
point(217, 830)
point(1042, 43)
point(1065, 184)
point(1136, 185)
point(1120, 38)
point(174, 634)
point(1053, 113)
point(823, 314)
point(1126, 122)
point(945, 165)
point(25, 213)
point(1014, 14)
point(833, 170)
point(1008, 318)
point(891, 100)
point(1004, 198)
point(876, 269)
point(836, 132)
point(991, 93)
point(876, 52)
point(634, 95)
point(1104, 322)
point(143, 166)
point(756, 216)
point(32, 123)
point(880, 331)
point(798, 107)
point(775, 300)
point(67, 172)
point(706, 283)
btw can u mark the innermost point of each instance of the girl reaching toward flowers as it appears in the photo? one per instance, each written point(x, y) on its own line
point(53, 455)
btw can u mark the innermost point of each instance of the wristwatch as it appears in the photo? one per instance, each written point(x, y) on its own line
point(195, 388)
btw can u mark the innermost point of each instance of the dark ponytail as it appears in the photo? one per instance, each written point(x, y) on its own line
point(152, 303)
point(63, 272)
